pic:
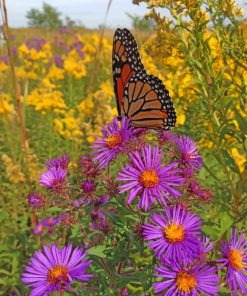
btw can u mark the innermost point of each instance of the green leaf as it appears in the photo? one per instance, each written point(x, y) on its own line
point(226, 222)
point(55, 209)
point(212, 231)
point(2, 271)
point(97, 251)
point(75, 230)
point(229, 160)
point(241, 121)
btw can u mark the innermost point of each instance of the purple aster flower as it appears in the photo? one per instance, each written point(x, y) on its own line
point(39, 228)
point(67, 219)
point(77, 203)
point(14, 50)
point(35, 201)
point(80, 53)
point(35, 43)
point(62, 161)
point(88, 167)
point(51, 221)
point(88, 186)
point(12, 37)
point(78, 46)
point(124, 292)
point(99, 221)
point(196, 190)
point(85, 161)
point(55, 269)
point(174, 234)
point(5, 59)
point(88, 201)
point(166, 137)
point(138, 230)
point(112, 142)
point(85, 201)
point(187, 173)
point(235, 259)
point(12, 293)
point(64, 30)
point(102, 200)
point(188, 152)
point(184, 279)
point(53, 178)
point(58, 61)
point(206, 247)
point(145, 177)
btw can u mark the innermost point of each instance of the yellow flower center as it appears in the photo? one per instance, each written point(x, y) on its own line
point(50, 222)
point(57, 274)
point(113, 140)
point(185, 282)
point(174, 233)
point(235, 258)
point(40, 228)
point(149, 178)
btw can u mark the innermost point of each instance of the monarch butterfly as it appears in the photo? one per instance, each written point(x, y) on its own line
point(141, 97)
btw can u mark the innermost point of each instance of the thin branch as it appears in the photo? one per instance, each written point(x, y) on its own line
point(12, 66)
point(98, 50)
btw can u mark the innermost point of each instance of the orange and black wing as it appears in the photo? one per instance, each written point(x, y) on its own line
point(126, 62)
point(147, 103)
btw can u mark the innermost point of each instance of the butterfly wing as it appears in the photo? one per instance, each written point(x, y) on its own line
point(125, 63)
point(147, 103)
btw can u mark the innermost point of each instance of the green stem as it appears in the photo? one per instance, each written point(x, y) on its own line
point(61, 291)
point(107, 269)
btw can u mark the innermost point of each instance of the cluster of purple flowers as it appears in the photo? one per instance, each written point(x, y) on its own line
point(47, 223)
point(175, 232)
point(159, 180)
point(58, 61)
point(54, 269)
point(62, 45)
point(35, 43)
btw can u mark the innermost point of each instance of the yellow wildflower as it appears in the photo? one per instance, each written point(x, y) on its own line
point(5, 105)
point(107, 88)
point(239, 159)
point(55, 73)
point(69, 126)
point(3, 66)
point(24, 74)
point(34, 170)
point(91, 139)
point(74, 65)
point(180, 117)
point(149, 64)
point(46, 83)
point(86, 106)
point(114, 112)
point(13, 170)
point(42, 99)
point(23, 51)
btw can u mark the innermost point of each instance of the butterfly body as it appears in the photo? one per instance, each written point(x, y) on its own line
point(141, 97)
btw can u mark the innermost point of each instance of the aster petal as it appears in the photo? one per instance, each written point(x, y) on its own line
point(41, 290)
point(133, 194)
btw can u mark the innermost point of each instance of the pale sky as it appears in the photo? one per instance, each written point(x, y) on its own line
point(90, 12)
